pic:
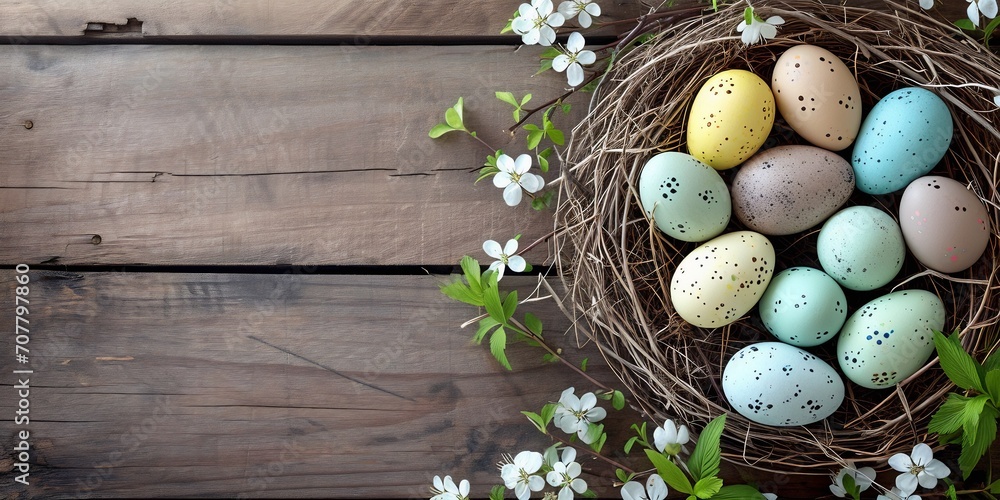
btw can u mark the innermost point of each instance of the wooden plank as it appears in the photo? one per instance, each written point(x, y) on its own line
point(185, 385)
point(274, 17)
point(257, 154)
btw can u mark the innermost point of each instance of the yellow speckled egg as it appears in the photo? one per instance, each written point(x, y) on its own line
point(818, 96)
point(730, 118)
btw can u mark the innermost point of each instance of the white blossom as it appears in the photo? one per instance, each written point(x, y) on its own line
point(670, 439)
point(655, 489)
point(565, 475)
point(536, 22)
point(927, 4)
point(996, 100)
point(514, 177)
point(519, 475)
point(987, 7)
point(863, 478)
point(759, 30)
point(447, 490)
point(575, 414)
point(920, 467)
point(772, 496)
point(895, 494)
point(505, 257)
point(571, 60)
point(586, 9)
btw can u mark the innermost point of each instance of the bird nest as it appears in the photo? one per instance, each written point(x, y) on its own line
point(617, 266)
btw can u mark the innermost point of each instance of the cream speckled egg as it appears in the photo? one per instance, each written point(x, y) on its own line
point(818, 96)
point(722, 279)
point(861, 247)
point(730, 118)
point(777, 384)
point(890, 338)
point(788, 189)
point(687, 199)
point(945, 225)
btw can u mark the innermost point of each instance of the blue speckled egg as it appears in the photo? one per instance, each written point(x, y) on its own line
point(861, 247)
point(890, 338)
point(803, 306)
point(687, 199)
point(777, 384)
point(904, 136)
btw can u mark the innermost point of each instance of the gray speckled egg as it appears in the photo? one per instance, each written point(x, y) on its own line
point(687, 199)
point(789, 189)
point(803, 306)
point(903, 137)
point(890, 338)
point(777, 384)
point(861, 247)
point(944, 224)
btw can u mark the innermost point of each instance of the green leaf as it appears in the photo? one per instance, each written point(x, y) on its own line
point(958, 364)
point(950, 493)
point(548, 412)
point(509, 305)
point(986, 433)
point(989, 29)
point(498, 492)
point(992, 361)
point(485, 325)
point(566, 107)
point(618, 400)
point(550, 53)
point(470, 268)
point(950, 416)
point(599, 444)
point(994, 487)
point(974, 409)
point(525, 99)
point(535, 419)
point(583, 364)
point(621, 475)
point(498, 346)
point(439, 130)
point(543, 164)
point(670, 472)
point(556, 136)
point(453, 119)
point(748, 15)
point(491, 299)
point(589, 494)
point(485, 172)
point(550, 358)
point(533, 323)
point(965, 24)
point(461, 292)
point(543, 66)
point(707, 487)
point(630, 443)
point(704, 460)
point(851, 486)
point(593, 434)
point(993, 385)
point(507, 97)
point(738, 492)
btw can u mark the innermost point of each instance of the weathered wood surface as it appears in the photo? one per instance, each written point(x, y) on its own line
point(176, 385)
point(256, 154)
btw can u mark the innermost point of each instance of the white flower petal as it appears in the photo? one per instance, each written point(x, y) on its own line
point(544, 7)
point(922, 454)
point(926, 4)
point(567, 9)
point(682, 435)
point(502, 180)
point(438, 485)
point(463, 488)
point(565, 394)
point(632, 491)
point(574, 75)
point(555, 20)
point(996, 100)
point(532, 183)
point(449, 485)
point(546, 36)
point(536, 483)
point(505, 163)
point(510, 248)
point(553, 478)
point(560, 63)
point(937, 469)
point(578, 485)
point(512, 194)
point(492, 248)
point(521, 25)
point(900, 462)
point(565, 494)
point(522, 492)
point(770, 496)
point(569, 455)
point(973, 13)
point(584, 19)
point(522, 164)
point(926, 480)
point(586, 57)
point(593, 9)
point(532, 463)
point(837, 491)
point(531, 37)
point(588, 401)
point(864, 477)
point(749, 36)
point(575, 42)
point(742, 26)
point(767, 32)
point(527, 11)
point(597, 414)
point(573, 469)
point(775, 20)
point(656, 488)
point(907, 483)
point(988, 8)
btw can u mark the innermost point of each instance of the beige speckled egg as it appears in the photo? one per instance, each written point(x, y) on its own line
point(730, 118)
point(722, 279)
point(818, 96)
point(945, 225)
point(788, 189)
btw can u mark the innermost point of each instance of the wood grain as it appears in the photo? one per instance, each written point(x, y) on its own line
point(257, 154)
point(176, 385)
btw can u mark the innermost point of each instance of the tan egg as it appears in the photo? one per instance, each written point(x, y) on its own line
point(818, 96)
point(945, 225)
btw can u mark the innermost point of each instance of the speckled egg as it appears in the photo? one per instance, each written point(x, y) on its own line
point(788, 189)
point(722, 279)
point(777, 384)
point(890, 338)
point(818, 96)
point(687, 199)
point(904, 136)
point(730, 118)
point(945, 225)
point(803, 306)
point(861, 247)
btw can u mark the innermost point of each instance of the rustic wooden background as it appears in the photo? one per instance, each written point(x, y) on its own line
point(238, 226)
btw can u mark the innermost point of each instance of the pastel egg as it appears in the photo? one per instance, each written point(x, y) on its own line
point(818, 96)
point(945, 225)
point(788, 189)
point(687, 199)
point(904, 136)
point(861, 247)
point(730, 118)
point(890, 338)
point(721, 280)
point(803, 306)
point(777, 384)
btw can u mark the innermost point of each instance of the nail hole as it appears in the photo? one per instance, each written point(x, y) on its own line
point(28, 124)
point(96, 240)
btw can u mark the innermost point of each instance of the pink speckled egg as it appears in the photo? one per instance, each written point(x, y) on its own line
point(945, 225)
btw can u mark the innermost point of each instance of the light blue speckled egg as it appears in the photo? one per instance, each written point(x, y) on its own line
point(861, 247)
point(890, 338)
point(777, 384)
point(803, 306)
point(903, 137)
point(686, 198)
